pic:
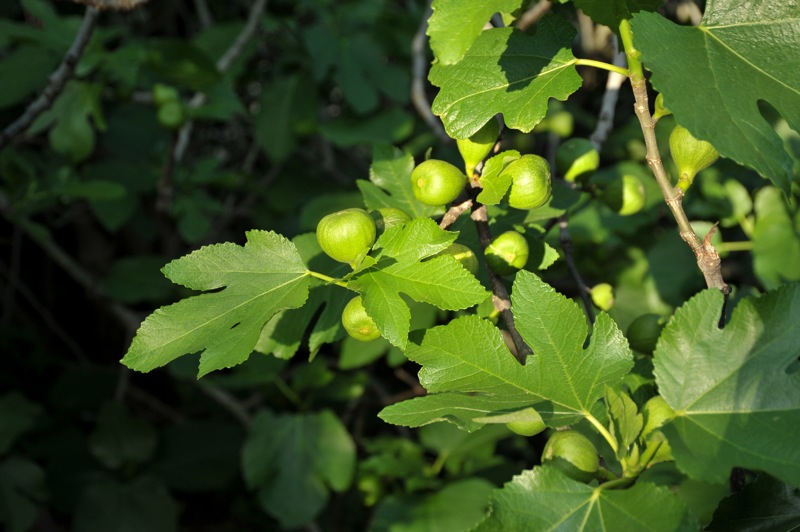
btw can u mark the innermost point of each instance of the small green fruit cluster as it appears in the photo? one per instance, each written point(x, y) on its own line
point(170, 111)
point(690, 155)
point(573, 454)
point(357, 322)
point(347, 235)
point(436, 182)
point(508, 253)
point(577, 159)
point(531, 184)
point(475, 148)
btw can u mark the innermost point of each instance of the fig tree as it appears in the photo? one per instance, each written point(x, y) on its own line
point(347, 235)
point(436, 182)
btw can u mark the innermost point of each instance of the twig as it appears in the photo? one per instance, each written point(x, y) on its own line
point(164, 191)
point(500, 297)
point(155, 404)
point(605, 121)
point(566, 244)
point(225, 400)
point(456, 210)
point(223, 63)
point(419, 68)
point(56, 82)
point(532, 16)
point(203, 13)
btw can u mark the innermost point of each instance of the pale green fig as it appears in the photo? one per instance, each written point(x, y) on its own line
point(531, 186)
point(625, 195)
point(530, 423)
point(508, 253)
point(573, 454)
point(603, 296)
point(347, 235)
point(436, 182)
point(475, 148)
point(357, 322)
point(690, 155)
point(464, 255)
point(577, 159)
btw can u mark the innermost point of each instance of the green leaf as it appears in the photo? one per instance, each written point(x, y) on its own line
point(120, 439)
point(262, 277)
point(737, 404)
point(495, 184)
point(766, 504)
point(776, 244)
point(294, 459)
point(546, 499)
point(23, 488)
point(626, 422)
point(715, 76)
point(469, 372)
point(507, 71)
point(458, 506)
point(389, 183)
point(17, 416)
point(455, 24)
point(143, 504)
point(440, 281)
point(611, 12)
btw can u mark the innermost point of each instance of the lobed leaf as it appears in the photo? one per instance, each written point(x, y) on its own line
point(735, 391)
point(717, 77)
point(507, 71)
point(544, 498)
point(262, 277)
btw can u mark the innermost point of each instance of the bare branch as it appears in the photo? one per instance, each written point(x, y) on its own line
point(532, 16)
point(58, 79)
point(419, 68)
point(566, 244)
point(115, 5)
point(605, 121)
point(456, 210)
point(203, 13)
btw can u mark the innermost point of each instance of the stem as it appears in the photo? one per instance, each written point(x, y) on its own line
point(603, 431)
point(327, 278)
point(707, 257)
point(747, 245)
point(603, 65)
point(648, 454)
point(566, 244)
point(56, 82)
point(618, 483)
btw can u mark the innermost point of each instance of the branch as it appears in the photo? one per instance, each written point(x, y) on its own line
point(456, 210)
point(566, 244)
point(532, 16)
point(203, 13)
point(223, 64)
point(419, 67)
point(605, 120)
point(58, 79)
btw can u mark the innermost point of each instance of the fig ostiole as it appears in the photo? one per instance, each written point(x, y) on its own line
point(475, 148)
point(357, 322)
point(436, 182)
point(690, 154)
point(347, 235)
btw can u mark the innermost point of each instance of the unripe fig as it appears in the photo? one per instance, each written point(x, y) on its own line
point(624, 195)
point(347, 235)
point(479, 145)
point(577, 159)
point(603, 296)
point(464, 255)
point(387, 217)
point(530, 182)
point(530, 423)
point(690, 155)
point(660, 109)
point(643, 333)
point(560, 123)
point(436, 182)
point(171, 114)
point(656, 413)
point(357, 322)
point(165, 93)
point(573, 454)
point(508, 253)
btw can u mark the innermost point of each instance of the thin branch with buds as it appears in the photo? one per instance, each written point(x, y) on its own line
point(57, 81)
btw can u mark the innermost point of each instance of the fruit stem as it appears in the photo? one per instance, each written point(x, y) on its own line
point(746, 245)
point(603, 65)
point(618, 483)
point(648, 454)
point(708, 260)
point(327, 278)
point(612, 441)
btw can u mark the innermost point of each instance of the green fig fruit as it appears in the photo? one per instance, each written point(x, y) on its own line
point(508, 253)
point(165, 93)
point(171, 114)
point(577, 159)
point(464, 255)
point(690, 155)
point(573, 454)
point(624, 194)
point(387, 217)
point(528, 423)
point(475, 148)
point(643, 333)
point(436, 182)
point(357, 322)
point(531, 186)
point(603, 296)
point(660, 109)
point(347, 235)
point(560, 123)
